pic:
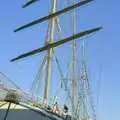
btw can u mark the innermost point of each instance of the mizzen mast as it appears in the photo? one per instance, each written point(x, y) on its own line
point(74, 82)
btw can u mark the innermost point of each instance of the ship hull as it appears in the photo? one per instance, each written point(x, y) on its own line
point(16, 112)
point(24, 114)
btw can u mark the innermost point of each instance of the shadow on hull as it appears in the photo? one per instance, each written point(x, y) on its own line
point(25, 114)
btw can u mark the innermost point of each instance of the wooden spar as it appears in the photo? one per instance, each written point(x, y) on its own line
point(49, 55)
point(58, 43)
point(60, 12)
point(29, 3)
point(74, 68)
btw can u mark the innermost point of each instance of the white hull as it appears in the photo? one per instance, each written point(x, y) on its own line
point(18, 113)
point(24, 115)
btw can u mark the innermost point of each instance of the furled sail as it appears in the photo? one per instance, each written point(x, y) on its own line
point(58, 43)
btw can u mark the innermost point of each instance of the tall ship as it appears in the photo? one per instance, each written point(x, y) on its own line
point(61, 89)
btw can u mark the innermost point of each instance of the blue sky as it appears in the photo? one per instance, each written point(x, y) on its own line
point(102, 48)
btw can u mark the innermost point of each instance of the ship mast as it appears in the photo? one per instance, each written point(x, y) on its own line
point(74, 63)
point(53, 18)
point(49, 57)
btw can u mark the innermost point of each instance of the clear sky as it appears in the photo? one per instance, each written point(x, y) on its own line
point(102, 49)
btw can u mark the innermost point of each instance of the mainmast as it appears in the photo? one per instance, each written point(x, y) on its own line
point(49, 57)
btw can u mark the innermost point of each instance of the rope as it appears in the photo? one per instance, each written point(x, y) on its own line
point(10, 81)
point(37, 78)
point(61, 74)
point(99, 87)
point(2, 105)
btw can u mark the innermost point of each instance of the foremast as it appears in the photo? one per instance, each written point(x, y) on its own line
point(50, 54)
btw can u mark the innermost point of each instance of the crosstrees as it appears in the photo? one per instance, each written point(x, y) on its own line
point(40, 20)
point(58, 43)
